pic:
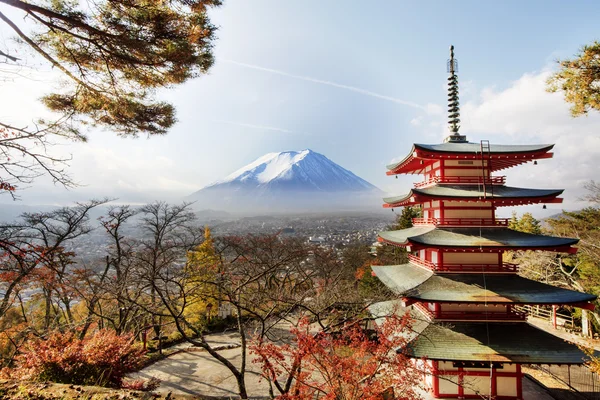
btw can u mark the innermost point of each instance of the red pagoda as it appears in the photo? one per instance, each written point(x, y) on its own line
point(464, 298)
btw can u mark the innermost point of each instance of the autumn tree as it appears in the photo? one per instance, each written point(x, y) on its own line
point(109, 288)
point(268, 282)
point(37, 242)
point(35, 262)
point(349, 365)
point(527, 223)
point(358, 258)
point(581, 269)
point(169, 232)
point(404, 219)
point(579, 79)
point(203, 266)
point(113, 55)
point(388, 254)
point(574, 271)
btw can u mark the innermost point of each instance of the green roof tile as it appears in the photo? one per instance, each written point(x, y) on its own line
point(473, 237)
point(475, 191)
point(415, 282)
point(513, 342)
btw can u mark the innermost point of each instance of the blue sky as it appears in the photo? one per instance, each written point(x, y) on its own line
point(356, 82)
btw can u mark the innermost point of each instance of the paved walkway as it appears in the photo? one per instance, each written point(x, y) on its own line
point(195, 372)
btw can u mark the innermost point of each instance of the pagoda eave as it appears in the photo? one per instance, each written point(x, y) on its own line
point(407, 301)
point(414, 246)
point(460, 341)
point(498, 202)
point(418, 284)
point(420, 158)
point(505, 342)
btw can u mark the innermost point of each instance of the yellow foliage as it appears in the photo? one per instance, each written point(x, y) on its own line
point(203, 264)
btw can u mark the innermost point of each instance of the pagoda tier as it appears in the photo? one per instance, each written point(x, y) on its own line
point(505, 342)
point(414, 283)
point(454, 159)
point(473, 240)
point(459, 198)
point(477, 359)
point(480, 342)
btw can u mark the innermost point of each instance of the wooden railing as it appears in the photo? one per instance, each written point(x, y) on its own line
point(421, 263)
point(463, 180)
point(471, 315)
point(481, 316)
point(463, 268)
point(461, 221)
point(425, 310)
point(562, 319)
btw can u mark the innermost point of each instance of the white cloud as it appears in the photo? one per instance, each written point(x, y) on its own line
point(329, 83)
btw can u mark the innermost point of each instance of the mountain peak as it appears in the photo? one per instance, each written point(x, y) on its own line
point(287, 174)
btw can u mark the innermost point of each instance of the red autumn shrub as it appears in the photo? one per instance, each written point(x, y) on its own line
point(102, 359)
point(348, 365)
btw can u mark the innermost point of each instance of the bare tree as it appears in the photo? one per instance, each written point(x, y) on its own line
point(38, 242)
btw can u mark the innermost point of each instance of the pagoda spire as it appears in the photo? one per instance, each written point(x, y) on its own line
point(453, 104)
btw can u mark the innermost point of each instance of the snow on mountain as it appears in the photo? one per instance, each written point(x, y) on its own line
point(295, 170)
point(286, 181)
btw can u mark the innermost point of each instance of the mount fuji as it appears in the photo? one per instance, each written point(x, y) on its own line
point(289, 181)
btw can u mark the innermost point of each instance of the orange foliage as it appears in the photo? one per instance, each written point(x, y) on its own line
point(348, 365)
point(101, 359)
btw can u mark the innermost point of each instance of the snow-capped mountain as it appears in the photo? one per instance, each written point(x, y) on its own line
point(290, 180)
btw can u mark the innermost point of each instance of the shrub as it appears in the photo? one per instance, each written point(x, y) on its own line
point(102, 359)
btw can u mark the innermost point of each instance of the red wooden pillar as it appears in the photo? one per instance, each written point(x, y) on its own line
point(554, 307)
point(494, 383)
point(461, 382)
point(519, 382)
point(436, 380)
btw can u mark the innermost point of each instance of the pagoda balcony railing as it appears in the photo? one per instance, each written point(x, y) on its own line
point(480, 316)
point(424, 309)
point(461, 221)
point(470, 315)
point(463, 268)
point(462, 180)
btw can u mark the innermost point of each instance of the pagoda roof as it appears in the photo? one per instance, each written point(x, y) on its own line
point(475, 148)
point(510, 342)
point(414, 282)
point(502, 195)
point(502, 155)
point(507, 342)
point(483, 238)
